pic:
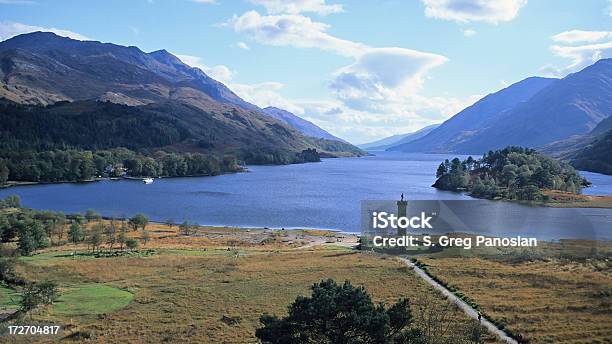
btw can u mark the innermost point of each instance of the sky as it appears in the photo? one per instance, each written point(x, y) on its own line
point(360, 69)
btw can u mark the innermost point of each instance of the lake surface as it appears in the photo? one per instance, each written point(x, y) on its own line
point(315, 195)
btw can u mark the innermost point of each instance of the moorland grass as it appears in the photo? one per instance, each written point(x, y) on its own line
point(548, 300)
point(187, 298)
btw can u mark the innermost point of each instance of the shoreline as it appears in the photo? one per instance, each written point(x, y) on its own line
point(559, 199)
point(331, 231)
point(12, 184)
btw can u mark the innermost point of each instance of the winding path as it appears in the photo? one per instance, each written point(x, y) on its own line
point(471, 312)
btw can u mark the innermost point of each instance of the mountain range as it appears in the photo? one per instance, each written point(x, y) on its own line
point(41, 68)
point(397, 140)
point(566, 118)
point(112, 95)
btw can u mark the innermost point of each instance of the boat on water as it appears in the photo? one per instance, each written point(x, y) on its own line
point(147, 180)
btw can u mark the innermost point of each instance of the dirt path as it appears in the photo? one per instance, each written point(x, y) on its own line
point(471, 312)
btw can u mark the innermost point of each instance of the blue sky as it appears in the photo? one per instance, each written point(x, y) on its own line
point(360, 69)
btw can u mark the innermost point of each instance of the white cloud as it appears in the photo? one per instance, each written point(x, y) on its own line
point(381, 77)
point(298, 6)
point(11, 29)
point(292, 30)
point(576, 36)
point(377, 94)
point(242, 46)
point(364, 126)
point(469, 32)
point(407, 113)
point(473, 10)
point(219, 72)
point(595, 45)
point(205, 1)
point(261, 94)
point(266, 94)
point(582, 55)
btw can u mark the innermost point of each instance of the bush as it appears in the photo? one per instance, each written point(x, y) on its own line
point(339, 314)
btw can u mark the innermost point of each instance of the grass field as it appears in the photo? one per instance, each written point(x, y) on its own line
point(562, 296)
point(212, 286)
point(91, 299)
point(201, 292)
point(9, 298)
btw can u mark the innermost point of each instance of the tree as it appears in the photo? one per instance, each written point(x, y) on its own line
point(441, 170)
point(138, 221)
point(58, 225)
point(9, 227)
point(131, 244)
point(95, 236)
point(80, 219)
point(469, 163)
point(92, 215)
point(35, 294)
point(144, 238)
point(4, 172)
point(185, 228)
point(4, 225)
point(169, 222)
point(111, 234)
point(75, 233)
point(26, 243)
point(32, 236)
point(47, 291)
point(339, 314)
point(530, 193)
point(122, 235)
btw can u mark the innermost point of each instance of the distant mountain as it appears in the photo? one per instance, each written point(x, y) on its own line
point(42, 68)
point(467, 123)
point(305, 127)
point(394, 140)
point(572, 106)
point(532, 113)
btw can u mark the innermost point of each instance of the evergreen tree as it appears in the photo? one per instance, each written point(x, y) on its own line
point(441, 170)
point(340, 314)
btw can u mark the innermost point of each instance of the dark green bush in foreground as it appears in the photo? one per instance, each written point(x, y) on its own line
point(340, 314)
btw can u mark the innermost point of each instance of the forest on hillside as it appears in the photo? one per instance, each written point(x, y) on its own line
point(82, 140)
point(597, 156)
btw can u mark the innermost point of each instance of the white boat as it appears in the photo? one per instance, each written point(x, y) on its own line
point(147, 180)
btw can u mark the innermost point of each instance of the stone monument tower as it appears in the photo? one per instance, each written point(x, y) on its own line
point(401, 212)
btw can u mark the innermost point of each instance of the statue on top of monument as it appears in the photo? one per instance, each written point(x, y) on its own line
point(402, 196)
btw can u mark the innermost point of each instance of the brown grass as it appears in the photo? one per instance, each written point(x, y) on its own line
point(183, 292)
point(548, 301)
point(563, 199)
